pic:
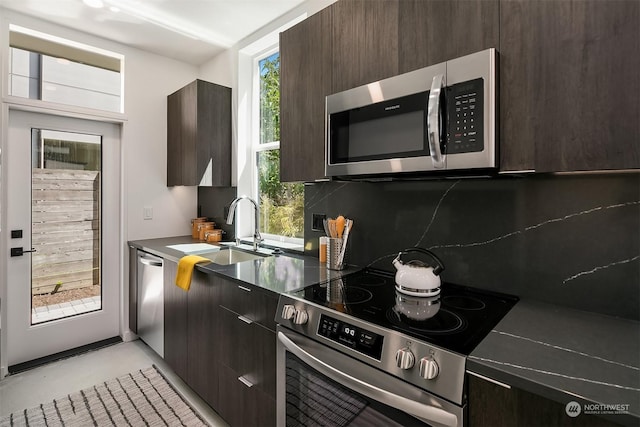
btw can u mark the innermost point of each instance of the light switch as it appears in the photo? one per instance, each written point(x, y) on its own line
point(147, 212)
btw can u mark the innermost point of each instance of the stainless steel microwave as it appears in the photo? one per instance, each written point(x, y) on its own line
point(438, 118)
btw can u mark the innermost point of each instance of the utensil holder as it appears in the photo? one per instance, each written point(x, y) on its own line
point(335, 291)
point(322, 250)
point(334, 245)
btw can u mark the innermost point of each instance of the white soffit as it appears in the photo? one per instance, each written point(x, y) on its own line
point(192, 31)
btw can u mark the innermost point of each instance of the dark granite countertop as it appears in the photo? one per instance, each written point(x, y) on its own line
point(278, 273)
point(565, 355)
point(553, 351)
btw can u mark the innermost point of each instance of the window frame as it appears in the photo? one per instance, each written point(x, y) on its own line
point(92, 54)
point(255, 147)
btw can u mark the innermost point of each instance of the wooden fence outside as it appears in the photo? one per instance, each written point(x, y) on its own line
point(65, 229)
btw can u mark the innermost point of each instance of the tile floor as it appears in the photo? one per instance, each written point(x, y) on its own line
point(56, 379)
point(57, 311)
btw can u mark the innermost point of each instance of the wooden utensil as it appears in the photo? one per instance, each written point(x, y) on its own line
point(340, 223)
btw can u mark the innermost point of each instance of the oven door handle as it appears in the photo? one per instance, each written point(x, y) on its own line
point(429, 414)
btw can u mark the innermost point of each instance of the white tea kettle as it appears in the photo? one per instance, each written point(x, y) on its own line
point(416, 308)
point(416, 278)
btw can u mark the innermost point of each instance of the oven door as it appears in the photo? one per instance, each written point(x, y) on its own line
point(317, 385)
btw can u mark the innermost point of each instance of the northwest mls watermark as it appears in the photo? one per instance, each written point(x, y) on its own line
point(573, 409)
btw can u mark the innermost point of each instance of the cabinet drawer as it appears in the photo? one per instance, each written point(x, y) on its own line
point(242, 404)
point(235, 341)
point(249, 349)
point(259, 306)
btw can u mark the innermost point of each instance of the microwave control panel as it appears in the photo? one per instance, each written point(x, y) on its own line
point(466, 124)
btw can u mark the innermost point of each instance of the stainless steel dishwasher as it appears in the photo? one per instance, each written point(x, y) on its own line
point(151, 301)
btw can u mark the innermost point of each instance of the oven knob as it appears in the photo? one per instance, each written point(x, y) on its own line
point(405, 359)
point(301, 317)
point(288, 312)
point(428, 368)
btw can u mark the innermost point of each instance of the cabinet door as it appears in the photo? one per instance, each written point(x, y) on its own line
point(181, 136)
point(492, 405)
point(435, 31)
point(174, 138)
point(305, 81)
point(199, 135)
point(175, 322)
point(569, 85)
point(203, 336)
point(364, 42)
point(213, 140)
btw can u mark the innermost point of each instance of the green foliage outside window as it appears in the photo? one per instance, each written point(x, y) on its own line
point(281, 204)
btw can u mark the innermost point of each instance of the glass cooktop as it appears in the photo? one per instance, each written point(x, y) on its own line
point(457, 319)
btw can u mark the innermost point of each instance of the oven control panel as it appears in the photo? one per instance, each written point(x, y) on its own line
point(351, 336)
point(431, 368)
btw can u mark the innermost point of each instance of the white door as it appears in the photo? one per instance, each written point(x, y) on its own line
point(63, 199)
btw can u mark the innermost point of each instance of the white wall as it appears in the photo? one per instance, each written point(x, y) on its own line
point(234, 68)
point(149, 78)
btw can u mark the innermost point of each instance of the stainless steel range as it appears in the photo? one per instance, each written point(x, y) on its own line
point(354, 351)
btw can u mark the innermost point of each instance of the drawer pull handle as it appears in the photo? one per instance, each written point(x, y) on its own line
point(244, 289)
point(245, 320)
point(245, 381)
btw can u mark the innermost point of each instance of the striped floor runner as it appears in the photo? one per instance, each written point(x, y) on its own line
point(142, 398)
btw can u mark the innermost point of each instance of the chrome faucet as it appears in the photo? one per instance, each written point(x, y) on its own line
point(257, 238)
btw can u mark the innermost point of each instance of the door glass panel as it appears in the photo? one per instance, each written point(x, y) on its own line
point(65, 224)
point(313, 399)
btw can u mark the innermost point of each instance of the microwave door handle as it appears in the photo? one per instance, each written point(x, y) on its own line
point(434, 121)
point(429, 414)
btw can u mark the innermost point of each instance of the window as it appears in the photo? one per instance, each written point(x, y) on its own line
point(50, 69)
point(281, 204)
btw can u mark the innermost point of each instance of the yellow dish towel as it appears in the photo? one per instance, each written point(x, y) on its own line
point(185, 270)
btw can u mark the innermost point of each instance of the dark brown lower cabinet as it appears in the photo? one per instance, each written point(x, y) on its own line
point(247, 355)
point(190, 331)
point(203, 337)
point(244, 406)
point(175, 322)
point(492, 405)
point(220, 339)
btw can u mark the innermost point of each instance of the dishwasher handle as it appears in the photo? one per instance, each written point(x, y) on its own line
point(151, 260)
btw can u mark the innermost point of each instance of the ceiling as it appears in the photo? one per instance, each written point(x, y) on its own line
point(192, 31)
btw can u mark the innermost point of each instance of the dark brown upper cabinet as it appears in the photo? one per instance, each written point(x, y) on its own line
point(569, 85)
point(434, 31)
point(364, 42)
point(568, 74)
point(199, 135)
point(305, 81)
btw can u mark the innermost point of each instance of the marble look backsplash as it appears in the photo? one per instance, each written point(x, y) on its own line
point(213, 203)
point(571, 240)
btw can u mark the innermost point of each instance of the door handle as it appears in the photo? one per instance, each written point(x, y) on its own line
point(150, 262)
point(20, 251)
point(433, 121)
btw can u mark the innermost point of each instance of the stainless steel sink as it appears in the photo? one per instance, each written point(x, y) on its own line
point(231, 256)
